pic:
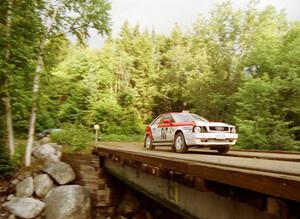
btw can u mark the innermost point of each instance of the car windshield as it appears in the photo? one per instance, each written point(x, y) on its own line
point(188, 117)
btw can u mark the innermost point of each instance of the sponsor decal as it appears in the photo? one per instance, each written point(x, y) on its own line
point(164, 132)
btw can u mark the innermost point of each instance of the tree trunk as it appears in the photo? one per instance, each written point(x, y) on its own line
point(7, 98)
point(35, 90)
point(48, 23)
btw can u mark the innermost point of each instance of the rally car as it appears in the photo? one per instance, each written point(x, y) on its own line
point(184, 130)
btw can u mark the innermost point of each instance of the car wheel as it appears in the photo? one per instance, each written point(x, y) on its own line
point(179, 143)
point(223, 150)
point(148, 143)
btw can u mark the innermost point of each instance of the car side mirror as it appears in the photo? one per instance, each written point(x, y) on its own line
point(167, 121)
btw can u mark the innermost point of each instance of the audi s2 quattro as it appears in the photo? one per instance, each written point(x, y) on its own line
point(184, 130)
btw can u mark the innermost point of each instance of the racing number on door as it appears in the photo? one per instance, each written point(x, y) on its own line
point(164, 132)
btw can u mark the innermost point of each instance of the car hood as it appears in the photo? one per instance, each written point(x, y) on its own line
point(212, 124)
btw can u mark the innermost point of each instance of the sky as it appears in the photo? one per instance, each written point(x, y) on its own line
point(163, 14)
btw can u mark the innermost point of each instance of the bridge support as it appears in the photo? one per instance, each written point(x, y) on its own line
point(182, 199)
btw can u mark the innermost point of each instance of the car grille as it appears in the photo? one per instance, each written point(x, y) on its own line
point(218, 129)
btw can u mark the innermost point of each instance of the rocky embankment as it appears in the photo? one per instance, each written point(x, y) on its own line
point(72, 186)
point(45, 190)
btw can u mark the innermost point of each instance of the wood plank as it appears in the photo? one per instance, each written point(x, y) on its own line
point(280, 185)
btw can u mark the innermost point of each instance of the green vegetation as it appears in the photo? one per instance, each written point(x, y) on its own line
point(240, 67)
point(73, 137)
point(7, 166)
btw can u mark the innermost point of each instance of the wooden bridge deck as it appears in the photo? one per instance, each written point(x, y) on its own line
point(275, 174)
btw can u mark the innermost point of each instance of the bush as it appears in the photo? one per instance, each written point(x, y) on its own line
point(75, 137)
point(259, 119)
point(6, 166)
point(114, 119)
point(18, 158)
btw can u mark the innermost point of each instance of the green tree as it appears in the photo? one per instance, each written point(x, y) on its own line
point(261, 122)
point(19, 23)
point(57, 18)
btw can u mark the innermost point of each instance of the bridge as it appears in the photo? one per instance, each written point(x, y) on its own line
point(205, 184)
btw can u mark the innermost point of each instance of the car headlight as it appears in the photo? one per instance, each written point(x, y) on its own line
point(233, 130)
point(199, 129)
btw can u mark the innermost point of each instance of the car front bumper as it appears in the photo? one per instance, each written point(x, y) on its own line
point(211, 139)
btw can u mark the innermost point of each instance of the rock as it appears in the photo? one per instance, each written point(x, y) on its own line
point(10, 196)
point(42, 185)
point(25, 188)
point(142, 214)
point(42, 216)
point(52, 158)
point(12, 216)
point(44, 151)
point(60, 171)
point(49, 193)
point(35, 145)
point(69, 202)
point(15, 181)
point(129, 205)
point(24, 174)
point(57, 146)
point(59, 154)
point(45, 140)
point(25, 207)
point(33, 159)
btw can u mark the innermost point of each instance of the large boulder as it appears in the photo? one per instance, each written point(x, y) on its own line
point(25, 188)
point(61, 172)
point(45, 140)
point(42, 185)
point(52, 158)
point(25, 207)
point(57, 147)
point(68, 202)
point(44, 151)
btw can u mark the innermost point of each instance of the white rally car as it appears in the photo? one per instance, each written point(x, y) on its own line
point(184, 130)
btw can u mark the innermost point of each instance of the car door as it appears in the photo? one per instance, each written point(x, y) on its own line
point(156, 133)
point(165, 129)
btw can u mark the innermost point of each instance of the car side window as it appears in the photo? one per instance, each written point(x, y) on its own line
point(168, 116)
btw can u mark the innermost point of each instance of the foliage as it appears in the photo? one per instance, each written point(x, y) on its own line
point(18, 158)
point(73, 136)
point(237, 66)
point(229, 67)
point(260, 120)
point(6, 166)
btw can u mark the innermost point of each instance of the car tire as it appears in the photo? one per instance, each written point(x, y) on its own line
point(148, 143)
point(223, 150)
point(179, 143)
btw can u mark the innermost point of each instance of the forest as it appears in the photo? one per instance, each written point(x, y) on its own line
point(237, 66)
